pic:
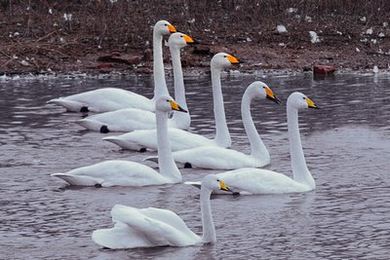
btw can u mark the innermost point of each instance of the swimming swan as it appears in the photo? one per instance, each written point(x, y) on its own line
point(129, 119)
point(214, 157)
point(180, 139)
point(261, 181)
point(127, 173)
point(110, 99)
point(152, 227)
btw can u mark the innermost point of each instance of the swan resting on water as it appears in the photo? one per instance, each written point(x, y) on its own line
point(127, 173)
point(249, 181)
point(152, 227)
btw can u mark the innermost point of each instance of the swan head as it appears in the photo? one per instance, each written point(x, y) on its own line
point(164, 27)
point(167, 104)
point(261, 90)
point(179, 40)
point(223, 60)
point(300, 101)
point(213, 183)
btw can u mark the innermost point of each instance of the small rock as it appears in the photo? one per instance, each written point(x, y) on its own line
point(104, 66)
point(324, 69)
point(369, 31)
point(375, 69)
point(381, 35)
point(281, 29)
point(308, 19)
point(24, 63)
point(314, 37)
point(357, 49)
point(363, 19)
point(292, 10)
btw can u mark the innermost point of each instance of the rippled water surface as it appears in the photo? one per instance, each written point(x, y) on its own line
point(346, 143)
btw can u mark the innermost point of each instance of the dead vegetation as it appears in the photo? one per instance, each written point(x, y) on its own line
point(37, 36)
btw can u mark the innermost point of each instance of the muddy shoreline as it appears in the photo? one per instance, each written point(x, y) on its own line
point(96, 37)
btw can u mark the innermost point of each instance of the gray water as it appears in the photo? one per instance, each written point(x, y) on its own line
point(346, 143)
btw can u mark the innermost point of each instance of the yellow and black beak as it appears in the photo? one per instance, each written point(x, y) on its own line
point(271, 96)
point(223, 186)
point(171, 28)
point(188, 39)
point(175, 106)
point(310, 103)
point(232, 59)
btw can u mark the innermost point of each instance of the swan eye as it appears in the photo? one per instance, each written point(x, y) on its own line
point(217, 180)
point(304, 98)
point(167, 100)
point(263, 87)
point(166, 24)
point(181, 36)
point(224, 56)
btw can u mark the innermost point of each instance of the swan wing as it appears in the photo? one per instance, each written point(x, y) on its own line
point(116, 173)
point(179, 139)
point(261, 181)
point(107, 99)
point(214, 157)
point(128, 119)
point(119, 237)
point(158, 226)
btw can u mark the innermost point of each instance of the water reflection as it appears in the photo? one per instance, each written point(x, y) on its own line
point(346, 144)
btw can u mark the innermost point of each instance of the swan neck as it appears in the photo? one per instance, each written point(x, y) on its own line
point(160, 86)
point(182, 120)
point(298, 163)
point(258, 149)
point(222, 135)
point(209, 235)
point(166, 163)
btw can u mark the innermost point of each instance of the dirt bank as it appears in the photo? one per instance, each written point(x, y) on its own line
point(104, 36)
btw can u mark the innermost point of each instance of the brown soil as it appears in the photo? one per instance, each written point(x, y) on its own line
point(103, 37)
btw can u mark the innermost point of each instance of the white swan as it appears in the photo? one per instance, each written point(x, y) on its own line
point(127, 173)
point(214, 157)
point(129, 119)
point(110, 99)
point(181, 139)
point(261, 181)
point(151, 227)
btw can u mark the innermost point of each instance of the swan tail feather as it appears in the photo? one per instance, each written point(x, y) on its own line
point(78, 180)
point(70, 105)
point(124, 144)
point(121, 236)
point(90, 124)
point(196, 184)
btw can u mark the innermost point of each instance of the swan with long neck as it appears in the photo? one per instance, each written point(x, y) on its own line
point(110, 99)
point(214, 157)
point(181, 139)
point(261, 181)
point(129, 119)
point(152, 227)
point(127, 173)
